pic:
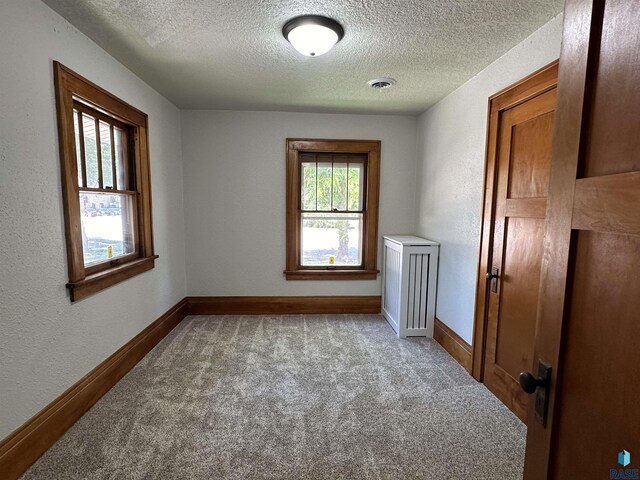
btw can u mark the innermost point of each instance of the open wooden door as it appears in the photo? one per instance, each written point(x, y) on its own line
point(588, 329)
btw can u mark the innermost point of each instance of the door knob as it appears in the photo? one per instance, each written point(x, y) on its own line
point(529, 383)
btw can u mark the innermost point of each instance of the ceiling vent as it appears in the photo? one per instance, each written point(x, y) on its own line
point(380, 83)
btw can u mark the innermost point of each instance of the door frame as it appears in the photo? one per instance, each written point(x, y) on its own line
point(537, 83)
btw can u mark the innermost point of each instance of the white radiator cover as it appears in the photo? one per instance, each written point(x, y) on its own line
point(410, 275)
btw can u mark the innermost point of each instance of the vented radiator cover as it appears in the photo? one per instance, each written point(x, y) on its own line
point(410, 275)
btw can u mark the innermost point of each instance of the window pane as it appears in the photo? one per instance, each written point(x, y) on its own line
point(107, 226)
point(340, 186)
point(105, 148)
point(119, 144)
point(324, 186)
point(309, 186)
point(331, 236)
point(90, 152)
point(356, 179)
point(76, 129)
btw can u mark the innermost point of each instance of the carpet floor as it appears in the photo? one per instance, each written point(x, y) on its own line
point(291, 397)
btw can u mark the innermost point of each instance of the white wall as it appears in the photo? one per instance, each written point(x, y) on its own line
point(234, 183)
point(451, 149)
point(47, 343)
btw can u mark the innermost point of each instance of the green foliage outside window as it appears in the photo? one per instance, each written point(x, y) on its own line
point(332, 188)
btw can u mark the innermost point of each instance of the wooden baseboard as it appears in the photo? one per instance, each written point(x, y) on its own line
point(24, 446)
point(453, 344)
point(282, 305)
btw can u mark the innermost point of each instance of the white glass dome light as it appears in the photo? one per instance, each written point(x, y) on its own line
point(313, 35)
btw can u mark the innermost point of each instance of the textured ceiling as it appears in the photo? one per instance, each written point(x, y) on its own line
point(230, 54)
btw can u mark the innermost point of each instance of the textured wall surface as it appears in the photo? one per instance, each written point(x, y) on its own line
point(451, 153)
point(234, 171)
point(47, 343)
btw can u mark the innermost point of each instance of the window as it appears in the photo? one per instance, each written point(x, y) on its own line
point(106, 186)
point(332, 209)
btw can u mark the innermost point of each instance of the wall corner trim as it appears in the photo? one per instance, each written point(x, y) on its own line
point(26, 444)
point(453, 344)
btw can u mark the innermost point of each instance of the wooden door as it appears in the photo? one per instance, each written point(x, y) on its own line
point(589, 311)
point(521, 148)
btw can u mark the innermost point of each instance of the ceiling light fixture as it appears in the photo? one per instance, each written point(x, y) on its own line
point(312, 35)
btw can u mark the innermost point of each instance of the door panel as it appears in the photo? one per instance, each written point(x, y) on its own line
point(524, 150)
point(529, 176)
point(519, 299)
point(599, 398)
point(613, 140)
point(589, 309)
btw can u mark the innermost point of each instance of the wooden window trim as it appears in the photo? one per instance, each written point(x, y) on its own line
point(368, 270)
point(69, 88)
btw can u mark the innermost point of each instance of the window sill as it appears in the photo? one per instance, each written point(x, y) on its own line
point(107, 278)
point(331, 274)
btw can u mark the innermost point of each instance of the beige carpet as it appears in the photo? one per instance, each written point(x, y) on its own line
point(292, 397)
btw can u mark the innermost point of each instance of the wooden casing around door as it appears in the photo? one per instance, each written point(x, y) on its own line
point(520, 127)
